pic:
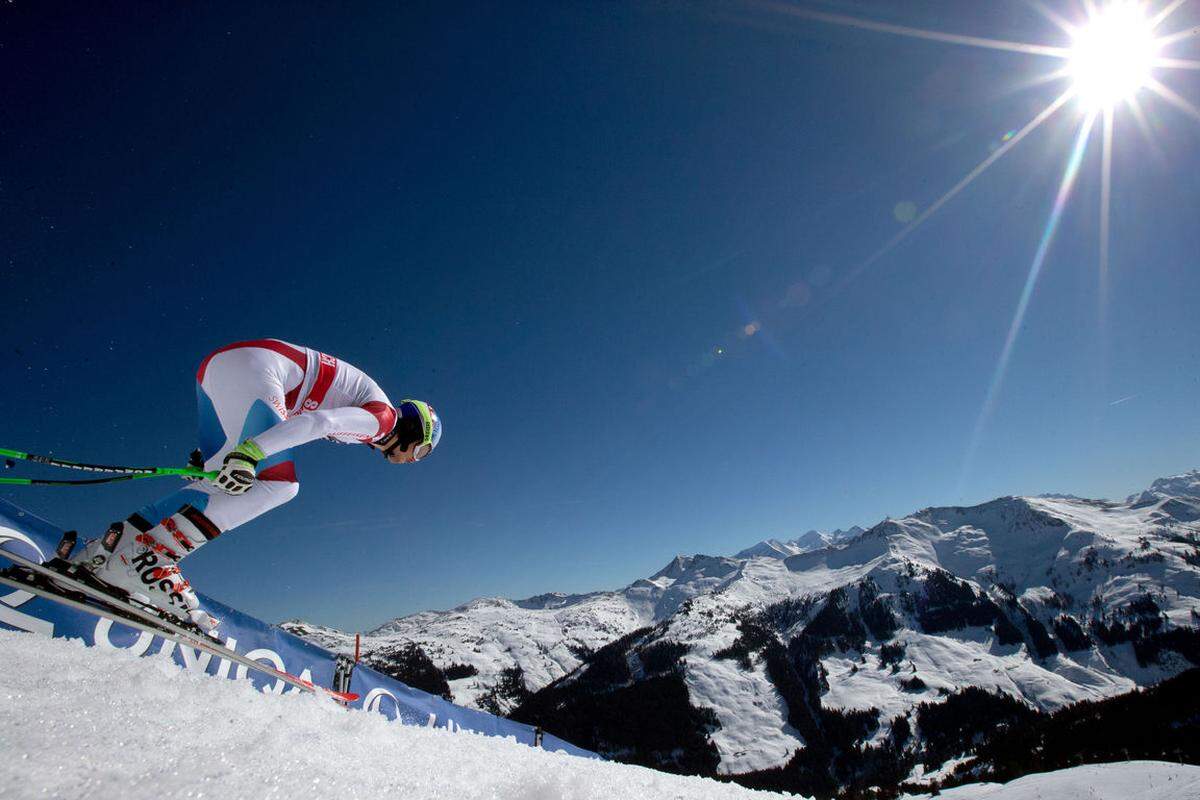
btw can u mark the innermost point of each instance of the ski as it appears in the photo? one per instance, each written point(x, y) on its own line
point(94, 601)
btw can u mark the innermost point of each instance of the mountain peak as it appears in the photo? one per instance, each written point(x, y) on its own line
point(770, 548)
point(698, 565)
point(805, 543)
point(551, 600)
point(1186, 485)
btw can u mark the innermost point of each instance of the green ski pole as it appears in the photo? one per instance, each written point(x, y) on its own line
point(88, 481)
point(127, 473)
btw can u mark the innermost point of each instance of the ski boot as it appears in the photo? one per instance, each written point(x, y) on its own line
point(140, 562)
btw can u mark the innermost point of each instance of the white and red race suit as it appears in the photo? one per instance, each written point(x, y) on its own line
point(282, 395)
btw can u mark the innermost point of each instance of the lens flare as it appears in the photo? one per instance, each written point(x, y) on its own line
point(1112, 56)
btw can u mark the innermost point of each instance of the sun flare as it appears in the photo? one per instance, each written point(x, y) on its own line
point(1112, 55)
point(1114, 52)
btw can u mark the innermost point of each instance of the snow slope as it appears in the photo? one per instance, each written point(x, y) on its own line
point(80, 722)
point(1128, 780)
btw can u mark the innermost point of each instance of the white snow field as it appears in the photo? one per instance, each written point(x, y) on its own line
point(76, 722)
point(1128, 780)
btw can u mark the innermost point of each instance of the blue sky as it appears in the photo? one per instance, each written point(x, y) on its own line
point(619, 246)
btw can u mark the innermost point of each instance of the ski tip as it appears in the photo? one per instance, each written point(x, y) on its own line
point(342, 697)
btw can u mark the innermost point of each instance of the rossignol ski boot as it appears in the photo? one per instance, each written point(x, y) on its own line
point(142, 561)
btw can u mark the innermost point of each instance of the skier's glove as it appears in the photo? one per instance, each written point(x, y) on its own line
point(237, 473)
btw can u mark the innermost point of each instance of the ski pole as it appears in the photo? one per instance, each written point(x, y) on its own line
point(59, 462)
point(127, 473)
point(113, 479)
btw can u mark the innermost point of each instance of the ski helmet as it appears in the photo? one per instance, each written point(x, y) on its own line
point(416, 423)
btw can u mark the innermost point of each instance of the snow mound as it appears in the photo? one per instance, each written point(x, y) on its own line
point(79, 722)
point(1128, 780)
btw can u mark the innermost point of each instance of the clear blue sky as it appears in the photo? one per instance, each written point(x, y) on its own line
point(618, 245)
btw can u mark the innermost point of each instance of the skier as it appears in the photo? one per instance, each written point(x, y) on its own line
point(257, 401)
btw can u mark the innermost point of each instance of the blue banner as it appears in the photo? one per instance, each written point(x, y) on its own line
point(35, 538)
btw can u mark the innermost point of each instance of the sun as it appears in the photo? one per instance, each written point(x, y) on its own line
point(1112, 55)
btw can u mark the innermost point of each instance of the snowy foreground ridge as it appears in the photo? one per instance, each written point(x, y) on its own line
point(81, 722)
point(21, 531)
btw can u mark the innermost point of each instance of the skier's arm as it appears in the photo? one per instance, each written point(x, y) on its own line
point(351, 422)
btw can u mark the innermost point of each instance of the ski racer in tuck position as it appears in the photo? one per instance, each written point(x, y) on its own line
point(257, 401)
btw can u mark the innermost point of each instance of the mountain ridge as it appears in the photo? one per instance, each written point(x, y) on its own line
point(1047, 600)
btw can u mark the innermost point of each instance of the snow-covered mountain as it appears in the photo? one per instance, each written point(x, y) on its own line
point(961, 597)
point(1185, 487)
point(550, 634)
point(546, 636)
point(1049, 600)
point(813, 540)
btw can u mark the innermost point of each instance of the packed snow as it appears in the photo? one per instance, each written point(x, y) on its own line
point(1128, 780)
point(79, 722)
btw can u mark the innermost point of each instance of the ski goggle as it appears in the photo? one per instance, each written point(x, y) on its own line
point(417, 424)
